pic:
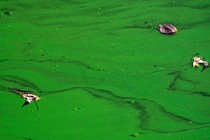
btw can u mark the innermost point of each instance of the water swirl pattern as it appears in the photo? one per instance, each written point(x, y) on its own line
point(103, 71)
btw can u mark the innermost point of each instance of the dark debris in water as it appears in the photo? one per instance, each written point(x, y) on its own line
point(8, 13)
point(136, 134)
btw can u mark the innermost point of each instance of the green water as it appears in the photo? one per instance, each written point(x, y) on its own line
point(103, 71)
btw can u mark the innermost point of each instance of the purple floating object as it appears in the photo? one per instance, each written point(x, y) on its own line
point(206, 64)
point(167, 29)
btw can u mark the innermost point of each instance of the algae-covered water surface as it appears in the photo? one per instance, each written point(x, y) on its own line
point(103, 70)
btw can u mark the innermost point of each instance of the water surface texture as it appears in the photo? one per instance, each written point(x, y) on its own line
point(103, 71)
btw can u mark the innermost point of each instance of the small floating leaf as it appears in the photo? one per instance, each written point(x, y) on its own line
point(135, 134)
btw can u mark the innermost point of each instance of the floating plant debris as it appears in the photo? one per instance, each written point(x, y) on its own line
point(131, 102)
point(167, 28)
point(8, 13)
point(76, 109)
point(136, 134)
point(27, 95)
point(199, 60)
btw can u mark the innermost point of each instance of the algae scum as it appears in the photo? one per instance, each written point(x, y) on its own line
point(103, 71)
